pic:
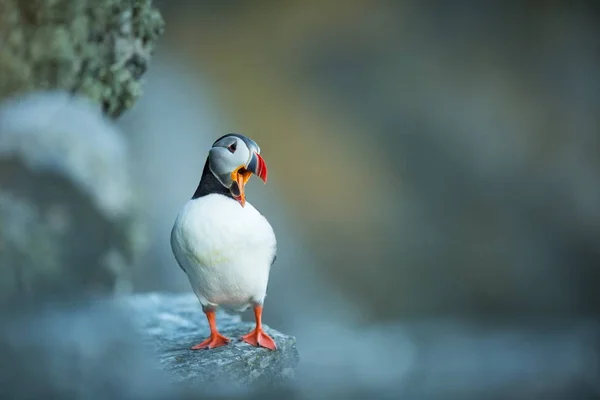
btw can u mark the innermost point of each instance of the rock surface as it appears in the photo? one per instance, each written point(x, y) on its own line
point(97, 48)
point(172, 323)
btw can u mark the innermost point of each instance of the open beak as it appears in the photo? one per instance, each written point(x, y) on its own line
point(258, 167)
point(241, 176)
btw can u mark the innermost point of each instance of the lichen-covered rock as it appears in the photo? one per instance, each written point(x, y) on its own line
point(172, 323)
point(99, 48)
point(67, 210)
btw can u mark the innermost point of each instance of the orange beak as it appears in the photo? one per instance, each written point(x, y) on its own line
point(242, 174)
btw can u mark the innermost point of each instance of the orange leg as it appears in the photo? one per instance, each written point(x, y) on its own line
point(258, 337)
point(215, 339)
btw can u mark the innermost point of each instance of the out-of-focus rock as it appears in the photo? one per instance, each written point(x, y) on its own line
point(99, 48)
point(133, 347)
point(85, 351)
point(67, 211)
point(100, 349)
point(172, 323)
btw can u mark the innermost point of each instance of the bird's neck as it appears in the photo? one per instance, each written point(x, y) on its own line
point(209, 184)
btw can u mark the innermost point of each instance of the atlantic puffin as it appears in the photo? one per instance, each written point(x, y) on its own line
point(225, 245)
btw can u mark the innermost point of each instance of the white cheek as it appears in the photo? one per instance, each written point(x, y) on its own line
point(242, 156)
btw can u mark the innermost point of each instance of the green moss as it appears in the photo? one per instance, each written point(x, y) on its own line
point(99, 48)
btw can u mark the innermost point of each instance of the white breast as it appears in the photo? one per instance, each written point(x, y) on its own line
point(225, 249)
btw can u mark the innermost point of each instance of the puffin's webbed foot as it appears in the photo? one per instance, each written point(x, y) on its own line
point(215, 340)
point(258, 337)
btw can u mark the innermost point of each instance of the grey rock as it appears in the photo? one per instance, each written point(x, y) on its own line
point(68, 223)
point(85, 351)
point(172, 323)
point(98, 48)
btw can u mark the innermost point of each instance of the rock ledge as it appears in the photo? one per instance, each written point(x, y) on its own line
point(172, 323)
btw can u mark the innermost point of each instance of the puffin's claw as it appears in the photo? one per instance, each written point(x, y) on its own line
point(259, 338)
point(215, 340)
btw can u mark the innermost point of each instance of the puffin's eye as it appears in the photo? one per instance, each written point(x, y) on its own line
point(232, 147)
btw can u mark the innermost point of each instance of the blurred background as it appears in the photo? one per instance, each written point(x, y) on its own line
point(426, 162)
point(434, 182)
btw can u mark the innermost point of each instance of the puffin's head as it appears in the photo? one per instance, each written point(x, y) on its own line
point(233, 159)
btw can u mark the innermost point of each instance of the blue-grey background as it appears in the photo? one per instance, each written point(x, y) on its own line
point(429, 164)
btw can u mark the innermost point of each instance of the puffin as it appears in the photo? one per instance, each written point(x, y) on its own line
point(225, 246)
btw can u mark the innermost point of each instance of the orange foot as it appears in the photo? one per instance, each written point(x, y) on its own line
point(258, 337)
point(215, 340)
